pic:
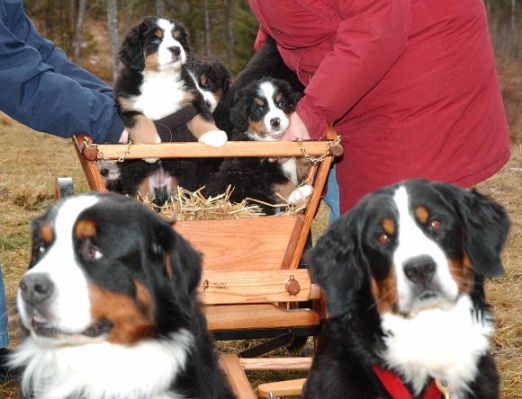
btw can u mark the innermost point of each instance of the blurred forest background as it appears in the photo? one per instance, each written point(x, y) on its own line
point(90, 30)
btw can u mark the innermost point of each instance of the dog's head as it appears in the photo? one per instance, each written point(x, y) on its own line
point(106, 268)
point(409, 247)
point(155, 44)
point(213, 81)
point(262, 109)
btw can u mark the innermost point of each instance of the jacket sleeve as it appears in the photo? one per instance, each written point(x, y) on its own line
point(370, 39)
point(41, 89)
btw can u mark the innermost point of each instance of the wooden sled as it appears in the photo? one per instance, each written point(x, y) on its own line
point(252, 286)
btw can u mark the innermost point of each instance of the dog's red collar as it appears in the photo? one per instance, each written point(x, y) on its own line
point(396, 388)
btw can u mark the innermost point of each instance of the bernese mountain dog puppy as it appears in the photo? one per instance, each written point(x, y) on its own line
point(158, 100)
point(403, 274)
point(261, 113)
point(111, 308)
point(212, 79)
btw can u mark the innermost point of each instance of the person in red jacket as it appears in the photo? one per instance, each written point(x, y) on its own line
point(410, 86)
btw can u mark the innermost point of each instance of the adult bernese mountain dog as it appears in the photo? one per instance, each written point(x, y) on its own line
point(261, 113)
point(403, 274)
point(110, 307)
point(159, 101)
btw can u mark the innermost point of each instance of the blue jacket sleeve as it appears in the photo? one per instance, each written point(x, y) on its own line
point(41, 89)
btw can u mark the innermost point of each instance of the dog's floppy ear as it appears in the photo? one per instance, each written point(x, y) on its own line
point(182, 263)
point(485, 224)
point(239, 112)
point(337, 263)
point(292, 95)
point(224, 74)
point(131, 51)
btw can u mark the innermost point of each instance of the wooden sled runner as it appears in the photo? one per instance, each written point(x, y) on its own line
point(252, 286)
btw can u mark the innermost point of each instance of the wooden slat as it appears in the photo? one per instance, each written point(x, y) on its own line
point(236, 377)
point(281, 388)
point(256, 286)
point(276, 363)
point(233, 317)
point(240, 244)
point(198, 150)
point(90, 168)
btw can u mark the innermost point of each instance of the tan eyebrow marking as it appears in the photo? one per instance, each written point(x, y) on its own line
point(389, 226)
point(422, 214)
point(85, 228)
point(158, 33)
point(46, 232)
point(259, 101)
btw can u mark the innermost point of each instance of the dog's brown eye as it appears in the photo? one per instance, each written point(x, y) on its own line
point(383, 239)
point(91, 252)
point(434, 224)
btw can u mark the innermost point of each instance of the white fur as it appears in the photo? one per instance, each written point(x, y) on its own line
point(161, 94)
point(165, 57)
point(437, 343)
point(300, 194)
point(214, 138)
point(103, 370)
point(70, 307)
point(290, 170)
point(412, 242)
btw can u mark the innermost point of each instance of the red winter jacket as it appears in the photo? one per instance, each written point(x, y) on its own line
point(409, 84)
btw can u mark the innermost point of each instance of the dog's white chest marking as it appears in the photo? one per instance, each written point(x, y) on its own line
point(290, 170)
point(162, 94)
point(441, 344)
point(103, 370)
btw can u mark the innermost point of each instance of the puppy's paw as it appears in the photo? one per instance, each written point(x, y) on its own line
point(151, 160)
point(300, 194)
point(214, 138)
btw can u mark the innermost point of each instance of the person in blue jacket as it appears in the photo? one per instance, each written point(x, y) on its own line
point(40, 88)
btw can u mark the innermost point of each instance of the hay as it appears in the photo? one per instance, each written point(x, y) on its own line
point(193, 205)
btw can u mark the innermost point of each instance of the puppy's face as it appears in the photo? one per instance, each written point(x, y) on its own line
point(413, 246)
point(105, 268)
point(262, 109)
point(156, 44)
point(213, 81)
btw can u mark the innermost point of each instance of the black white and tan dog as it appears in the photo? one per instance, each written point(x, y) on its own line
point(212, 79)
point(110, 307)
point(261, 113)
point(403, 274)
point(159, 100)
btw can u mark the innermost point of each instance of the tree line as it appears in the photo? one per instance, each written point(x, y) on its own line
point(219, 29)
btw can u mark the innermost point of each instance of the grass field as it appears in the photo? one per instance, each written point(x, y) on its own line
point(30, 162)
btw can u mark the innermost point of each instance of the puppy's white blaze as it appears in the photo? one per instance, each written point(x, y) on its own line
point(437, 343)
point(161, 94)
point(267, 90)
point(165, 56)
point(70, 304)
point(214, 138)
point(413, 242)
point(103, 370)
point(209, 98)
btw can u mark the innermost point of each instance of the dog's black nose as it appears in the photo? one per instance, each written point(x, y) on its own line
point(420, 269)
point(36, 288)
point(275, 122)
point(176, 50)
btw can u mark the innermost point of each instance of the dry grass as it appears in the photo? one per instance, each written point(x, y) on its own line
point(30, 162)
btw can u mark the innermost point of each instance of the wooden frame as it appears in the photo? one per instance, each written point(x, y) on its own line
point(251, 280)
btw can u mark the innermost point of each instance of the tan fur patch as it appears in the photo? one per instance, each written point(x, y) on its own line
point(422, 214)
point(462, 273)
point(259, 101)
point(158, 33)
point(151, 62)
point(257, 127)
point(84, 229)
point(144, 188)
point(284, 190)
point(385, 293)
point(388, 226)
point(176, 34)
point(198, 126)
point(132, 320)
point(144, 131)
point(46, 233)
point(279, 97)
point(188, 98)
point(167, 260)
point(302, 166)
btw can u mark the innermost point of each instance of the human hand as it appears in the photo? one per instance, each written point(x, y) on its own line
point(124, 138)
point(296, 129)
